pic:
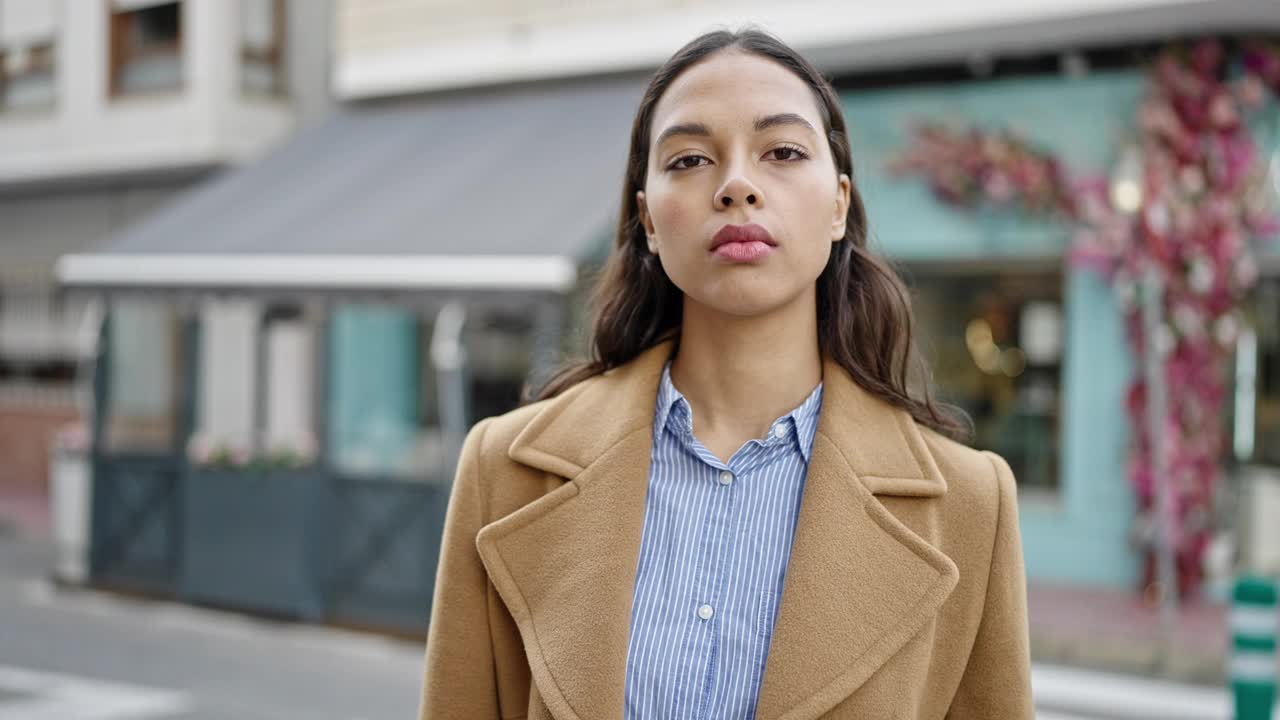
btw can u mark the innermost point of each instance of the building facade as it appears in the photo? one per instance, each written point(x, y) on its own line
point(108, 110)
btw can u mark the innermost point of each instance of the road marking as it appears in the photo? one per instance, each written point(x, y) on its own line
point(37, 695)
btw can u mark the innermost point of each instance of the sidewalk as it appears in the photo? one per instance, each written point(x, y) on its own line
point(1116, 630)
point(1068, 692)
point(26, 515)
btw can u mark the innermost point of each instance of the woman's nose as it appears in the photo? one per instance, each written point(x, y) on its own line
point(738, 191)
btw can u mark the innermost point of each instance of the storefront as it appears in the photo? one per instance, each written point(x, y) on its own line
point(1032, 346)
point(293, 353)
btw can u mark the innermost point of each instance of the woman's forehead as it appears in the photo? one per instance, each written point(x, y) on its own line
point(733, 87)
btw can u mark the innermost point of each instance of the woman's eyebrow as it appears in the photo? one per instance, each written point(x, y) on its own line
point(761, 124)
point(697, 129)
point(770, 121)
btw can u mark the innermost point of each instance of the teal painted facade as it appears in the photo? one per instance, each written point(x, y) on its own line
point(373, 386)
point(1078, 534)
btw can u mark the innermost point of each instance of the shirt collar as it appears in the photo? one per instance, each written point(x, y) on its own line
point(673, 412)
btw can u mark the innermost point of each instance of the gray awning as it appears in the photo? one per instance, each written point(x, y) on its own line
point(494, 189)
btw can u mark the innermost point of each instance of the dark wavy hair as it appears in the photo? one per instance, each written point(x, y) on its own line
point(864, 310)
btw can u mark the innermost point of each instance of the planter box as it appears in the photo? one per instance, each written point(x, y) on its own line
point(249, 539)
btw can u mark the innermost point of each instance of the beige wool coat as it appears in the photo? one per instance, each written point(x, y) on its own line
point(904, 597)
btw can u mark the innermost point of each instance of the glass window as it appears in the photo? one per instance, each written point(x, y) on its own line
point(144, 367)
point(262, 25)
point(28, 54)
point(994, 343)
point(384, 418)
point(1266, 323)
point(27, 77)
point(146, 49)
point(499, 356)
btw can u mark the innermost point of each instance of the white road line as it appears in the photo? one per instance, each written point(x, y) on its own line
point(52, 696)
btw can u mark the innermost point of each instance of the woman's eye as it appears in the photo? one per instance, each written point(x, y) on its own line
point(786, 153)
point(686, 162)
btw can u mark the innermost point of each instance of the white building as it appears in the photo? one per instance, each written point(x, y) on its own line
point(107, 110)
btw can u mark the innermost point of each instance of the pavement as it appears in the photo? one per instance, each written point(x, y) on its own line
point(69, 654)
point(1117, 630)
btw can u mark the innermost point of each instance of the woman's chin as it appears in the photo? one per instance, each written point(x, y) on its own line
point(741, 304)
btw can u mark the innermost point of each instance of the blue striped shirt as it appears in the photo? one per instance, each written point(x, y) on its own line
point(713, 554)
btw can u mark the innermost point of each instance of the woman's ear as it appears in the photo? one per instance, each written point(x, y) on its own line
point(642, 212)
point(843, 189)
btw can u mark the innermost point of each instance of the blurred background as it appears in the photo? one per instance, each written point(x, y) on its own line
point(263, 262)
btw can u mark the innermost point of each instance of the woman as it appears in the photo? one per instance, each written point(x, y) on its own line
point(737, 509)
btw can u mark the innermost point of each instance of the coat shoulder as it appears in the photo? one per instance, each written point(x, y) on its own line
point(977, 480)
point(499, 431)
point(505, 484)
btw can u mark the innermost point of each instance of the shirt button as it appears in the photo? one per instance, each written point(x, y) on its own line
point(726, 477)
point(780, 431)
point(705, 612)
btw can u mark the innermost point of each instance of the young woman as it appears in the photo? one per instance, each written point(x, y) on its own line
point(736, 510)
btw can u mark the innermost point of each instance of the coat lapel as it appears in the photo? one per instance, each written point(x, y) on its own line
point(859, 583)
point(565, 564)
point(858, 586)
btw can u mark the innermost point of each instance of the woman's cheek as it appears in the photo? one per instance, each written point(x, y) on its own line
point(670, 216)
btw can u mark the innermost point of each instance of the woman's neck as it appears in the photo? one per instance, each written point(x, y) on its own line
point(741, 374)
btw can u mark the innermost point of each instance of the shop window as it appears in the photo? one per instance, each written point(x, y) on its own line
point(28, 55)
point(385, 417)
point(1265, 320)
point(993, 339)
point(146, 47)
point(144, 377)
point(499, 354)
point(262, 32)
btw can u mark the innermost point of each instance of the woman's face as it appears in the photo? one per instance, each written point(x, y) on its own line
point(742, 199)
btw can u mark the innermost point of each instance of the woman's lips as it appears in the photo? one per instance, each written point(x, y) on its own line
point(742, 243)
point(743, 252)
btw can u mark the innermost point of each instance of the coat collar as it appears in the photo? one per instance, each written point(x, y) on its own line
point(565, 564)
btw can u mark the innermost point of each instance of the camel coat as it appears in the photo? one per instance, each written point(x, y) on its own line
point(904, 597)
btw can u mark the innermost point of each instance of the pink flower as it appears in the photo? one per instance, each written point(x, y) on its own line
point(1251, 91)
point(199, 449)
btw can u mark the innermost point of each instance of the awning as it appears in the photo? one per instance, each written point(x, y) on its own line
point(504, 188)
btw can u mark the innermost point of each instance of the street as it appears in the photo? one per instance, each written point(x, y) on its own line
point(81, 655)
point(86, 655)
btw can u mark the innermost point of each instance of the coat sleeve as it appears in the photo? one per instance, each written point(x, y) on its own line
point(997, 679)
point(459, 679)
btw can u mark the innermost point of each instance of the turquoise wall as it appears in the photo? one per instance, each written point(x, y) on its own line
point(373, 381)
point(1078, 535)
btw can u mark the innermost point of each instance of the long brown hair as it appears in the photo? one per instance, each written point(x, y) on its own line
point(864, 311)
